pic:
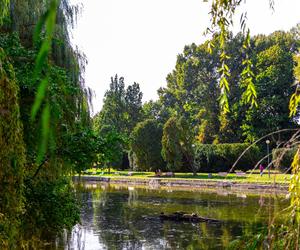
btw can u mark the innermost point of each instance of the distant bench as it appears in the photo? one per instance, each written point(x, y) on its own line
point(240, 173)
point(223, 174)
point(169, 174)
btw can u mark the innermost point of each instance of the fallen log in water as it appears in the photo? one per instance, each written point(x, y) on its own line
point(181, 216)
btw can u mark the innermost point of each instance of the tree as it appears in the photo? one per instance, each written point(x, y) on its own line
point(146, 145)
point(273, 62)
point(133, 103)
point(177, 142)
point(192, 89)
point(44, 79)
point(111, 148)
point(12, 155)
point(113, 110)
point(121, 111)
point(122, 108)
point(80, 149)
point(156, 110)
point(171, 149)
point(222, 13)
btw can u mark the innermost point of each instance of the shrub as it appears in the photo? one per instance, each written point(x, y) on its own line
point(221, 157)
point(51, 206)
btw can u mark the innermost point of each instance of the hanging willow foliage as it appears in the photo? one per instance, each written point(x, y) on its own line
point(12, 155)
point(4, 7)
point(52, 84)
point(46, 25)
point(222, 12)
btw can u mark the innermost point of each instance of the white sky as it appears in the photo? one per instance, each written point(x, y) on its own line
point(140, 39)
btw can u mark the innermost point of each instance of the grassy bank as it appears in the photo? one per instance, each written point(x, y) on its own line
point(255, 177)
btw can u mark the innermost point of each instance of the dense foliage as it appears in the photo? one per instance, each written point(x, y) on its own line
point(221, 157)
point(189, 106)
point(44, 107)
point(283, 158)
point(121, 111)
point(46, 133)
point(193, 89)
point(177, 141)
point(122, 107)
point(12, 154)
point(146, 146)
point(222, 15)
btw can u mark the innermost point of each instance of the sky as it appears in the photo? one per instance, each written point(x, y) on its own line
point(140, 39)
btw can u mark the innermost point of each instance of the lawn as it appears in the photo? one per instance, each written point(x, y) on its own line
point(248, 178)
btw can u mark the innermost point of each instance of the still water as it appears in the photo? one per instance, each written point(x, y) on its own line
point(122, 217)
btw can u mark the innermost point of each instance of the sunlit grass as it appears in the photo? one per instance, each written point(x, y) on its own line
point(255, 177)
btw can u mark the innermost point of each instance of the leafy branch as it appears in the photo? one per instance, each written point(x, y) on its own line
point(45, 27)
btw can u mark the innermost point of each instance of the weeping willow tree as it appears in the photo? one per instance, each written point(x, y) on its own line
point(55, 88)
point(46, 73)
point(12, 154)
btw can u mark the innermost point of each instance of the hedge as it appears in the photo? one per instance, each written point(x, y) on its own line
point(214, 158)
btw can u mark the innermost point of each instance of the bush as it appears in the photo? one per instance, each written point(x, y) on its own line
point(146, 146)
point(221, 157)
point(50, 207)
point(283, 158)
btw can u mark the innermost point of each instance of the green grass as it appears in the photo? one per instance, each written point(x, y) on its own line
point(248, 178)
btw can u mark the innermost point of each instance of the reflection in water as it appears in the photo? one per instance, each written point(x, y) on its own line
point(132, 197)
point(115, 217)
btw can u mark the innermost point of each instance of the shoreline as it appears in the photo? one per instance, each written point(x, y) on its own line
point(194, 184)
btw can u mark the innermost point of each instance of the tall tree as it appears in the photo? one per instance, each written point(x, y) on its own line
point(193, 88)
point(113, 110)
point(121, 111)
point(122, 108)
point(133, 102)
point(273, 61)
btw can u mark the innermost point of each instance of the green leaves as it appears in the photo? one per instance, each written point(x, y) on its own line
point(294, 102)
point(45, 129)
point(295, 98)
point(46, 24)
point(177, 143)
point(222, 12)
point(47, 21)
point(224, 84)
point(40, 96)
point(146, 145)
point(4, 10)
point(250, 94)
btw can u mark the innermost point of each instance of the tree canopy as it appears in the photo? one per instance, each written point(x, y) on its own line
point(146, 145)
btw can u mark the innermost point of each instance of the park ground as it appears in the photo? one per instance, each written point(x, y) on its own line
point(248, 177)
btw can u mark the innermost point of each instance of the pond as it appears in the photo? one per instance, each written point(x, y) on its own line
point(122, 217)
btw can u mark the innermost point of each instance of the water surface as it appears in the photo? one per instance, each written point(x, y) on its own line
point(121, 217)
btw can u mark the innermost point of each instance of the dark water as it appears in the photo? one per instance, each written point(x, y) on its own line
point(115, 217)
